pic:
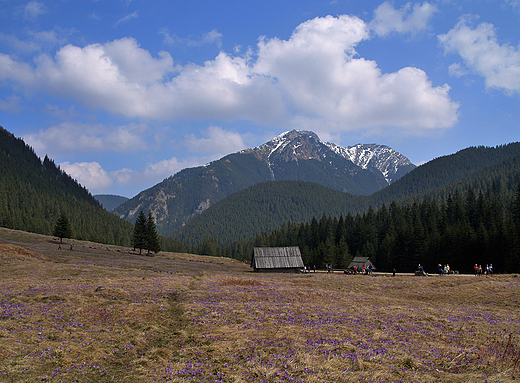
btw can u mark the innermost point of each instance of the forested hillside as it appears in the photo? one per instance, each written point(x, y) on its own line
point(265, 207)
point(475, 166)
point(468, 228)
point(33, 194)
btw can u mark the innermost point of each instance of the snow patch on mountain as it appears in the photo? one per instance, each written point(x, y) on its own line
point(297, 145)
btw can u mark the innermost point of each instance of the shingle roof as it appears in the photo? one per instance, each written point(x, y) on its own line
point(277, 257)
point(360, 261)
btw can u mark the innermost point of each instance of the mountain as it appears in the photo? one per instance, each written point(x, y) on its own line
point(110, 201)
point(33, 194)
point(267, 206)
point(294, 155)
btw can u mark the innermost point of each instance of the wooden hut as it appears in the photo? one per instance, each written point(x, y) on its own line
point(277, 259)
point(359, 262)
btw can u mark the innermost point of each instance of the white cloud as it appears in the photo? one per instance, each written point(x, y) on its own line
point(313, 76)
point(128, 17)
point(409, 19)
point(70, 137)
point(481, 52)
point(154, 173)
point(212, 37)
point(11, 104)
point(218, 141)
point(457, 70)
point(318, 70)
point(33, 10)
point(89, 174)
point(97, 180)
point(515, 4)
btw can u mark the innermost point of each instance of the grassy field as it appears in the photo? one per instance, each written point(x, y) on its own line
point(105, 314)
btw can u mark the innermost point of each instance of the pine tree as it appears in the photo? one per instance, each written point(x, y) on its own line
point(62, 229)
point(152, 240)
point(139, 237)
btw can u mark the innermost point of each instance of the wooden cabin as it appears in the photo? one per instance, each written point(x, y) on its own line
point(359, 262)
point(277, 259)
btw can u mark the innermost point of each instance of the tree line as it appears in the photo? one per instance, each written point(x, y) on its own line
point(465, 229)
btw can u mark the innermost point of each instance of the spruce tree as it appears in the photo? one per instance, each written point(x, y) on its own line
point(152, 240)
point(62, 229)
point(139, 237)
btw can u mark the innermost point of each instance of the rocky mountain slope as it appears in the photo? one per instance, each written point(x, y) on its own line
point(294, 155)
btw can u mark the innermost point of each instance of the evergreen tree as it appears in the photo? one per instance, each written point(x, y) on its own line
point(62, 229)
point(152, 240)
point(139, 237)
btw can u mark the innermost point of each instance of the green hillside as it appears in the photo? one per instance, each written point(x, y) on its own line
point(265, 207)
point(33, 194)
point(472, 166)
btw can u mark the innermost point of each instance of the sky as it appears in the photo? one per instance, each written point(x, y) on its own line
point(122, 94)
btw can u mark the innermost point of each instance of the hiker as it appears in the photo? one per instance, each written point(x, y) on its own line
point(71, 246)
point(440, 269)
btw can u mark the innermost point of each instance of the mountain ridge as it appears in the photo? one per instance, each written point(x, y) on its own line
point(293, 155)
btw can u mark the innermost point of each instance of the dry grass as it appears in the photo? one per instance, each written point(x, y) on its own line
point(105, 314)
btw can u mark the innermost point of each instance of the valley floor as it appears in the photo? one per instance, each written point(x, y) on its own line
point(101, 313)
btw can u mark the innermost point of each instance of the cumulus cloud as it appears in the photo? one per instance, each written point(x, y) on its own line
point(319, 71)
point(70, 137)
point(409, 19)
point(89, 174)
point(481, 52)
point(97, 180)
point(218, 141)
point(315, 75)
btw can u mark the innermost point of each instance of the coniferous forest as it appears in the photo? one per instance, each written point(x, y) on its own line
point(467, 228)
point(35, 193)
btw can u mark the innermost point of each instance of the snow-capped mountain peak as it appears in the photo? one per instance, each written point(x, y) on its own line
point(297, 145)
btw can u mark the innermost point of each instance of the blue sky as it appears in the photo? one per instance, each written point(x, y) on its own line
point(122, 94)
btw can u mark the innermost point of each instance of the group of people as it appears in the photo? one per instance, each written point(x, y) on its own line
point(486, 271)
point(364, 270)
point(443, 270)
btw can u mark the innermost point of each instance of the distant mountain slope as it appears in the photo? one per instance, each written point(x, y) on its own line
point(266, 207)
point(110, 201)
point(294, 155)
point(473, 162)
point(33, 193)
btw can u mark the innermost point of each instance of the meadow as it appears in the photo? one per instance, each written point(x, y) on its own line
point(102, 313)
